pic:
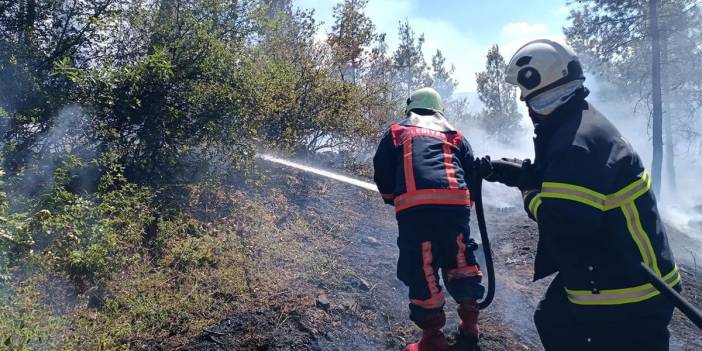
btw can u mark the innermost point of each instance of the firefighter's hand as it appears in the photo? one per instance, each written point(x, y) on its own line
point(484, 168)
point(506, 171)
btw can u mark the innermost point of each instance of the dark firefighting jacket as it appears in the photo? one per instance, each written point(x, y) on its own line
point(596, 213)
point(423, 161)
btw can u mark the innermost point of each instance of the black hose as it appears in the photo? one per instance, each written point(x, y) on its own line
point(676, 299)
point(480, 213)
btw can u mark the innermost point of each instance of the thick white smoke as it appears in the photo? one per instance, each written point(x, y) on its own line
point(632, 120)
point(520, 146)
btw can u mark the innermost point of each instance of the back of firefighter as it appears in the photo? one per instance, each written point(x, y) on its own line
point(591, 197)
point(423, 167)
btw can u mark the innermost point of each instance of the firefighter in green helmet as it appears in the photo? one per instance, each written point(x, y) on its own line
point(424, 167)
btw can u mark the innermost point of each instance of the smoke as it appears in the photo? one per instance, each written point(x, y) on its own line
point(64, 143)
point(482, 142)
point(681, 210)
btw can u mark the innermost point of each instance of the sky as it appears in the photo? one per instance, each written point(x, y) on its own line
point(462, 29)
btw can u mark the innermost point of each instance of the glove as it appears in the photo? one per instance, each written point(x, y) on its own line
point(484, 168)
point(530, 179)
point(505, 171)
point(512, 172)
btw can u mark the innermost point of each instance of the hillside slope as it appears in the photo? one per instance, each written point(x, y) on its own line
point(356, 303)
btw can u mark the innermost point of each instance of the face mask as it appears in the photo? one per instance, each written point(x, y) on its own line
point(547, 102)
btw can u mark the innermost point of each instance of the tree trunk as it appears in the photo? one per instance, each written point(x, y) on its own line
point(671, 176)
point(668, 124)
point(657, 130)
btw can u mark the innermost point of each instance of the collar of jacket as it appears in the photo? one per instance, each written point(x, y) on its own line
point(436, 122)
point(551, 123)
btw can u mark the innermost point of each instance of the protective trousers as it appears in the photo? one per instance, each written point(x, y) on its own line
point(431, 239)
point(565, 326)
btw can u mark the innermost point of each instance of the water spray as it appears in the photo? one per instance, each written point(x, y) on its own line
point(323, 173)
point(477, 198)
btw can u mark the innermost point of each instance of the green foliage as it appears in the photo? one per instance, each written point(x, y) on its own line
point(614, 37)
point(64, 68)
point(617, 39)
point(36, 38)
point(500, 116)
point(85, 237)
point(27, 324)
point(409, 61)
point(351, 36)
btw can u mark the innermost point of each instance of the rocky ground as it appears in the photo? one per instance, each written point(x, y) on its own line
point(359, 305)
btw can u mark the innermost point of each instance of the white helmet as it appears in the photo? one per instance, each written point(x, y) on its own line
point(542, 65)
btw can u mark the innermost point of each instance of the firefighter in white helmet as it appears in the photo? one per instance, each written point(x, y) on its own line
point(597, 216)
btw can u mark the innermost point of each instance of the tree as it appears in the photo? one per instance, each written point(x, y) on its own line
point(681, 34)
point(623, 41)
point(187, 101)
point(458, 111)
point(408, 59)
point(35, 36)
point(311, 107)
point(500, 116)
point(657, 99)
point(351, 35)
point(442, 77)
point(382, 98)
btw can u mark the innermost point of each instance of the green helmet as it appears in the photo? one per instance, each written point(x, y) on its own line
point(425, 98)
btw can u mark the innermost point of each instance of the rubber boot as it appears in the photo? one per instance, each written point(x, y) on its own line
point(433, 338)
point(468, 311)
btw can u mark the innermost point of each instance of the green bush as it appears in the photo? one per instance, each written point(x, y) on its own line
point(26, 323)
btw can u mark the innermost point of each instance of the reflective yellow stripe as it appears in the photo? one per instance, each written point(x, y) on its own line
point(534, 205)
point(597, 200)
point(630, 193)
point(621, 296)
point(623, 199)
point(573, 192)
point(633, 223)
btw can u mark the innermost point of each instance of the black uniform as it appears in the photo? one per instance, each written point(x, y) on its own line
point(598, 221)
point(422, 167)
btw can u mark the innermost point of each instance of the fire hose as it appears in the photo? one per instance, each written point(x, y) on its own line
point(482, 226)
point(692, 313)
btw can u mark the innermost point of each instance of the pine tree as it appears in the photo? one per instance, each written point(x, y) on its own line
point(442, 77)
point(352, 34)
point(500, 116)
point(632, 44)
point(380, 82)
point(410, 66)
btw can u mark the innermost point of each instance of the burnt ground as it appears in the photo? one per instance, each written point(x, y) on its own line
point(358, 304)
